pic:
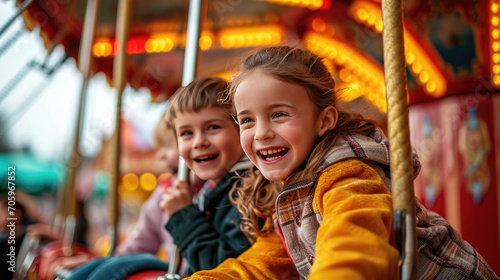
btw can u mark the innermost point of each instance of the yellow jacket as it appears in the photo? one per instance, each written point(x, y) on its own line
point(342, 223)
point(340, 226)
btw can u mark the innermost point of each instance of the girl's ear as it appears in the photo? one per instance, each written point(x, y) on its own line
point(327, 120)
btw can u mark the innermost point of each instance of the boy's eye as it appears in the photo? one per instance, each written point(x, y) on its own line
point(185, 133)
point(213, 127)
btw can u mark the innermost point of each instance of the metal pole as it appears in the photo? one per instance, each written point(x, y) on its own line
point(196, 19)
point(4, 93)
point(30, 99)
point(119, 76)
point(85, 63)
point(399, 135)
point(23, 7)
point(20, 75)
point(11, 41)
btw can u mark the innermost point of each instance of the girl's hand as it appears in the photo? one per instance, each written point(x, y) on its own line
point(176, 197)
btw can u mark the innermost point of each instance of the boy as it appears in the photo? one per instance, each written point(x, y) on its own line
point(208, 140)
point(149, 236)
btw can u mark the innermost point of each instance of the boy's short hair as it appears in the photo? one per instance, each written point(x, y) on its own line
point(201, 93)
point(163, 135)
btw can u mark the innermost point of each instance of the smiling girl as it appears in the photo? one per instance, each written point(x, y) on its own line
point(333, 206)
point(292, 133)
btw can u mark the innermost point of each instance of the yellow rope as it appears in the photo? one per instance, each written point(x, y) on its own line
point(397, 104)
point(398, 128)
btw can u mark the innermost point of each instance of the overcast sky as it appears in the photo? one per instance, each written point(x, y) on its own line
point(43, 120)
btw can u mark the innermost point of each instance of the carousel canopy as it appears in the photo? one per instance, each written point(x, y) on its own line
point(446, 50)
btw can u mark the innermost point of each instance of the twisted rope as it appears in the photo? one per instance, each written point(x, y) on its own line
point(398, 133)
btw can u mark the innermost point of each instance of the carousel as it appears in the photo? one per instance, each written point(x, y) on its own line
point(438, 89)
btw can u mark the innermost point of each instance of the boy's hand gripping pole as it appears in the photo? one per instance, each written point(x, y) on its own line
point(175, 254)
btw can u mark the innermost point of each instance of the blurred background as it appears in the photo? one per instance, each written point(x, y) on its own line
point(453, 75)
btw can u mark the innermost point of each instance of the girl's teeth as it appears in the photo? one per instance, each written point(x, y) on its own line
point(272, 154)
point(272, 158)
point(273, 151)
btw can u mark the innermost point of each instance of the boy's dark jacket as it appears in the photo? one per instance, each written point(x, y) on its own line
point(207, 238)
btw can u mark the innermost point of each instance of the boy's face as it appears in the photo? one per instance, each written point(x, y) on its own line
point(209, 142)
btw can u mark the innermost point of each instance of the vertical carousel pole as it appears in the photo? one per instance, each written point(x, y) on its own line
point(399, 135)
point(119, 76)
point(85, 63)
point(21, 9)
point(196, 18)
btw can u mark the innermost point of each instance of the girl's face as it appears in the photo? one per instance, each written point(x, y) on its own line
point(278, 124)
point(208, 141)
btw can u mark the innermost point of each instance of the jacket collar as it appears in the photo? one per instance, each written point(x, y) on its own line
point(374, 147)
point(242, 164)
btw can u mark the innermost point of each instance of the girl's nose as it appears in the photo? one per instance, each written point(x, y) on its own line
point(263, 132)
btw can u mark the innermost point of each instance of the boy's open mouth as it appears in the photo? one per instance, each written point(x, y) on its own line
point(272, 154)
point(206, 158)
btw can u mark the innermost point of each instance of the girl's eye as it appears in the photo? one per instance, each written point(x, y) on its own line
point(244, 121)
point(279, 114)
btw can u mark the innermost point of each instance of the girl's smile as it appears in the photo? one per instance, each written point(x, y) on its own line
point(272, 154)
point(278, 124)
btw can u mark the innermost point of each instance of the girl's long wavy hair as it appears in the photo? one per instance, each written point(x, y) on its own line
point(257, 196)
